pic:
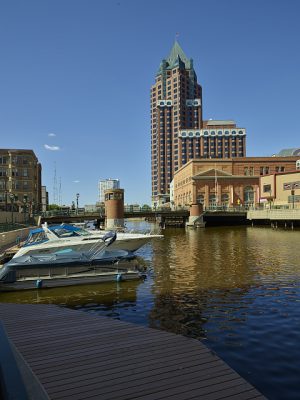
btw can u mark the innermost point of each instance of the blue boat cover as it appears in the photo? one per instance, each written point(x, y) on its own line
point(37, 230)
point(70, 228)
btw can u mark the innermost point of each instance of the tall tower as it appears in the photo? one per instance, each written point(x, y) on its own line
point(178, 132)
point(176, 104)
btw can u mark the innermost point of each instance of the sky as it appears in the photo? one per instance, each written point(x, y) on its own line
point(75, 79)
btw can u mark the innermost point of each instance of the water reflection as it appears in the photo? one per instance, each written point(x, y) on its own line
point(223, 258)
point(238, 289)
point(88, 296)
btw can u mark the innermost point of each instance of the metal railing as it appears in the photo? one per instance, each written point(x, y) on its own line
point(8, 226)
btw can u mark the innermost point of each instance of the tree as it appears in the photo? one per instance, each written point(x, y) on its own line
point(53, 207)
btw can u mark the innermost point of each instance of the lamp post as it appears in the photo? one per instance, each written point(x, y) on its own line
point(12, 199)
point(24, 208)
point(77, 197)
point(5, 188)
point(33, 207)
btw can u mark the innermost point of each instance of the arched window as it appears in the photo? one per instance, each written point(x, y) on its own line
point(248, 195)
point(225, 199)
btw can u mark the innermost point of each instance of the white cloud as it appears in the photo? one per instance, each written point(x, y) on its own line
point(76, 181)
point(51, 134)
point(52, 148)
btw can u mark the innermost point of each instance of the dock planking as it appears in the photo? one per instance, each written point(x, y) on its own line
point(75, 355)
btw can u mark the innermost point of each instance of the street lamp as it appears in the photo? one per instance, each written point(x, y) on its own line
point(33, 207)
point(24, 207)
point(6, 192)
point(12, 199)
point(77, 197)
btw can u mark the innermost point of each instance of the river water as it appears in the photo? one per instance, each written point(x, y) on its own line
point(237, 289)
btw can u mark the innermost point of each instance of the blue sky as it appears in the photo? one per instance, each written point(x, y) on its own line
point(76, 75)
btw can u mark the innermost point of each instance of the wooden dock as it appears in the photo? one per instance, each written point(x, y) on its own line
point(75, 355)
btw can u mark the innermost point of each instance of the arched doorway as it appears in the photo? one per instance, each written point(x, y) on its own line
point(225, 200)
point(248, 196)
point(212, 201)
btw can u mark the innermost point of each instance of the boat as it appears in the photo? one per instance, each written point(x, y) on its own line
point(129, 241)
point(68, 268)
point(65, 237)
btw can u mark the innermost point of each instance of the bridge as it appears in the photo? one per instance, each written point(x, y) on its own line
point(165, 217)
point(275, 216)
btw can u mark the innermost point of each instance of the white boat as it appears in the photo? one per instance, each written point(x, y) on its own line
point(65, 238)
point(64, 268)
point(128, 241)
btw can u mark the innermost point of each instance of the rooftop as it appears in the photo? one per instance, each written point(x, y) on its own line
point(288, 152)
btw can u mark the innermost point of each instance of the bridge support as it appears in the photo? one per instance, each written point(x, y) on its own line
point(114, 209)
point(196, 216)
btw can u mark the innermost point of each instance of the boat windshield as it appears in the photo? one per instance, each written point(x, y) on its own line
point(63, 232)
point(36, 238)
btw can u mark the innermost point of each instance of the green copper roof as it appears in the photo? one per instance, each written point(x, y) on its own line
point(289, 152)
point(175, 58)
point(175, 53)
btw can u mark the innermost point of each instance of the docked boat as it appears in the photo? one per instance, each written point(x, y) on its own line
point(63, 239)
point(129, 241)
point(64, 268)
point(54, 238)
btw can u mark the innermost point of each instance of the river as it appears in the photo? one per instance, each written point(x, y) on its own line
point(237, 289)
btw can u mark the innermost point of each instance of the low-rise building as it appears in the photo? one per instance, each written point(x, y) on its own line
point(226, 182)
point(20, 180)
point(281, 189)
point(45, 199)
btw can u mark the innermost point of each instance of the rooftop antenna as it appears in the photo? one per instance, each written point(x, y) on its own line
point(55, 185)
point(59, 193)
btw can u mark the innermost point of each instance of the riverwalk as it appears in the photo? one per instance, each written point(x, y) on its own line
point(68, 354)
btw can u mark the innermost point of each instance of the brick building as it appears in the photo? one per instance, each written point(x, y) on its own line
point(178, 131)
point(20, 180)
point(226, 183)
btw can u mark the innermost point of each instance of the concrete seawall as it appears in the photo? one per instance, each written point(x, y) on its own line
point(10, 238)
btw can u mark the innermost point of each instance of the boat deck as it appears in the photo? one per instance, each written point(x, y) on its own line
point(75, 355)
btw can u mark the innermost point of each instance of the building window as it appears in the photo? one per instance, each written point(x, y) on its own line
point(267, 188)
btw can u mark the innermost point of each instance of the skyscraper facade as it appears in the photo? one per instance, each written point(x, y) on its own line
point(178, 131)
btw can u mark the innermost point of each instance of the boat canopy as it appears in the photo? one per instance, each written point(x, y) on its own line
point(37, 230)
point(70, 228)
point(65, 230)
point(36, 236)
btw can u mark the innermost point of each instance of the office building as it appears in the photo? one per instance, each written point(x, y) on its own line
point(178, 131)
point(107, 184)
point(45, 199)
